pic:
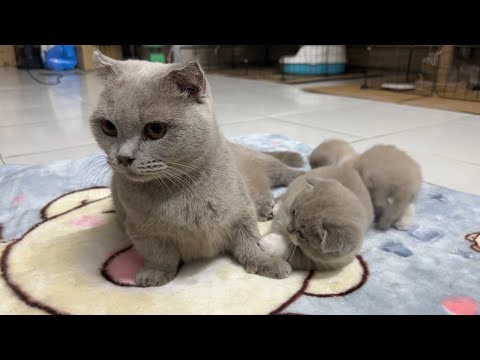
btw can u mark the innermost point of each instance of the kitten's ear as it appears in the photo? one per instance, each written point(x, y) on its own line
point(190, 80)
point(339, 239)
point(332, 239)
point(105, 68)
point(312, 182)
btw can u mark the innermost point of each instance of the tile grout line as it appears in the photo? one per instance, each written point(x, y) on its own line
point(317, 128)
point(455, 159)
point(401, 131)
point(297, 124)
point(348, 107)
point(50, 151)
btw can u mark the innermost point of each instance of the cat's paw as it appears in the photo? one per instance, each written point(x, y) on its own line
point(265, 210)
point(407, 219)
point(271, 267)
point(152, 277)
point(273, 244)
point(402, 225)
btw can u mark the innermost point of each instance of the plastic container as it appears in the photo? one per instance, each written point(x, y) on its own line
point(156, 57)
point(60, 57)
point(316, 60)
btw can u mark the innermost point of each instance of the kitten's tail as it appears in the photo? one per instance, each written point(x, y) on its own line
point(289, 158)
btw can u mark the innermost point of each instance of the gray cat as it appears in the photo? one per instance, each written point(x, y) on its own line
point(394, 180)
point(178, 185)
point(391, 176)
point(322, 219)
point(331, 152)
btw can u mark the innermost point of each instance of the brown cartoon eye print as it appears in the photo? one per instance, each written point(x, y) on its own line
point(475, 239)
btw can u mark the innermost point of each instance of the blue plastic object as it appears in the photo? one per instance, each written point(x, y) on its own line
point(316, 69)
point(61, 58)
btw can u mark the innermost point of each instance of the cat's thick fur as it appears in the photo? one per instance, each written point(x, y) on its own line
point(185, 196)
point(331, 152)
point(322, 219)
point(393, 179)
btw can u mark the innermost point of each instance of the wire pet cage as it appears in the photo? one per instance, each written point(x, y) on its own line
point(451, 72)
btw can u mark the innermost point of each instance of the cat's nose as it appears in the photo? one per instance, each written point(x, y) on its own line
point(125, 160)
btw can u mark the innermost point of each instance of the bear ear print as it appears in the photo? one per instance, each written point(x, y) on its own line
point(74, 200)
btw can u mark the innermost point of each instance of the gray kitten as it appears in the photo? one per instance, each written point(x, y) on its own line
point(322, 219)
point(331, 152)
point(177, 183)
point(261, 172)
point(393, 179)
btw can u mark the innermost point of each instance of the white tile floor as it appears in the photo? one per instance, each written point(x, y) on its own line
point(41, 123)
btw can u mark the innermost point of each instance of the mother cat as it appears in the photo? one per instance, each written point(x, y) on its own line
point(178, 185)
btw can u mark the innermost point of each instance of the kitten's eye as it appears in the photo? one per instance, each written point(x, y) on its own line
point(155, 130)
point(293, 212)
point(108, 128)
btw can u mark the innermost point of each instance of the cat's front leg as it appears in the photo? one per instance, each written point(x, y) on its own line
point(407, 218)
point(244, 247)
point(161, 258)
point(119, 209)
point(265, 207)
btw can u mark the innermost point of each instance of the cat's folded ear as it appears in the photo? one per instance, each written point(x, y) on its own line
point(338, 239)
point(189, 80)
point(312, 182)
point(105, 68)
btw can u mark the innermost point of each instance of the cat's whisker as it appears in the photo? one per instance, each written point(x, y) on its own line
point(106, 172)
point(293, 254)
point(172, 178)
point(184, 173)
point(189, 185)
point(166, 186)
point(96, 167)
point(193, 168)
point(92, 166)
point(92, 176)
point(287, 253)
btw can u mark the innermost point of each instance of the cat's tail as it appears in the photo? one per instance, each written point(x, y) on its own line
point(289, 158)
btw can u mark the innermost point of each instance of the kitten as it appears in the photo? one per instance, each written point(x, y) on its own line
point(288, 157)
point(393, 179)
point(177, 184)
point(261, 172)
point(322, 219)
point(331, 152)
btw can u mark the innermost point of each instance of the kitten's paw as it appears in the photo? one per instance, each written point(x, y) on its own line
point(265, 210)
point(407, 219)
point(271, 267)
point(402, 225)
point(273, 244)
point(152, 277)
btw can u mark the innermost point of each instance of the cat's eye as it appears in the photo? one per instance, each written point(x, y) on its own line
point(155, 130)
point(293, 212)
point(108, 127)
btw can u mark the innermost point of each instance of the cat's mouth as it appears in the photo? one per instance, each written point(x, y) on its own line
point(140, 173)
